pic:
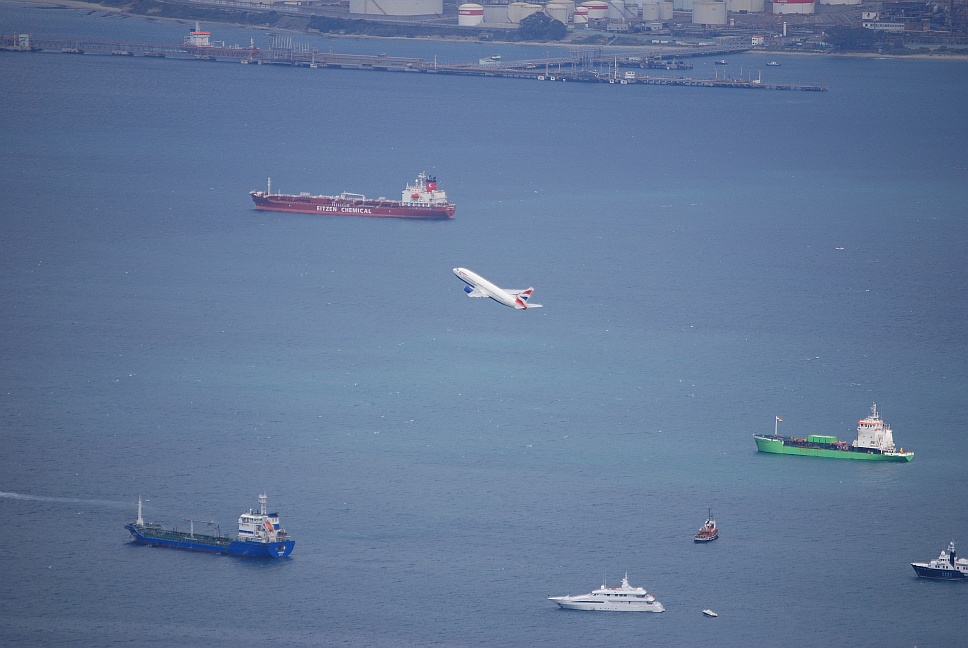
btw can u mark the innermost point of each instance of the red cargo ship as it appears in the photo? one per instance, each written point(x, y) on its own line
point(422, 199)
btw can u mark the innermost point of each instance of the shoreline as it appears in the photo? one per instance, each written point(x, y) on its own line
point(93, 6)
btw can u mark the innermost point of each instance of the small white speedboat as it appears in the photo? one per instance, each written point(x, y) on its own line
point(709, 613)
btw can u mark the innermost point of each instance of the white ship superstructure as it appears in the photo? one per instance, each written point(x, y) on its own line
point(872, 432)
point(423, 193)
point(261, 526)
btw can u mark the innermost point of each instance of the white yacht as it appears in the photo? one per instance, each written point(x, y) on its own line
point(613, 599)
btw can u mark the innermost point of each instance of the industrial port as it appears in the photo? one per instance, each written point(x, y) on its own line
point(587, 65)
point(797, 25)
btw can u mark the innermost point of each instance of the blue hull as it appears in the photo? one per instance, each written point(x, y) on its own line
point(939, 574)
point(209, 544)
point(279, 549)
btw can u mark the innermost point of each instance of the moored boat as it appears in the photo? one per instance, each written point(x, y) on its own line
point(421, 199)
point(260, 535)
point(624, 598)
point(874, 442)
point(708, 531)
point(947, 566)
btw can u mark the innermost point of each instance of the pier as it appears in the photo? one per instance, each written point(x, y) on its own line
point(586, 65)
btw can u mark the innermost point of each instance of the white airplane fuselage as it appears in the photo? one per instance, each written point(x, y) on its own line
point(478, 286)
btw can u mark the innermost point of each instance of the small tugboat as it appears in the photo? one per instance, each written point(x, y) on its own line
point(612, 599)
point(709, 613)
point(708, 531)
point(260, 535)
point(947, 566)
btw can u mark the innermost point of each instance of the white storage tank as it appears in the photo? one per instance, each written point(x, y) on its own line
point(571, 7)
point(496, 14)
point(793, 7)
point(557, 11)
point(597, 9)
point(470, 15)
point(707, 12)
point(581, 15)
point(518, 11)
point(665, 10)
point(615, 10)
point(747, 6)
point(650, 11)
point(397, 7)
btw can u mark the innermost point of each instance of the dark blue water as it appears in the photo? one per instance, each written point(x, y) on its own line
point(708, 259)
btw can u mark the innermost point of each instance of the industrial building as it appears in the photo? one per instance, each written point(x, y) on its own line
point(397, 7)
point(685, 18)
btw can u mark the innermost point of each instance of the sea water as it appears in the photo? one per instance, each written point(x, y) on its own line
point(708, 260)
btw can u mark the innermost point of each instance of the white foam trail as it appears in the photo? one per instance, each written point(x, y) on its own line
point(66, 500)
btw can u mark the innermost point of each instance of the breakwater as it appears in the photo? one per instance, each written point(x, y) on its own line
point(589, 65)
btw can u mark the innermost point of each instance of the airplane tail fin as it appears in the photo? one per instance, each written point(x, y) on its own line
point(523, 297)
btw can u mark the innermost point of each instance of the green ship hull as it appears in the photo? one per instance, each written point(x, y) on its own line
point(783, 445)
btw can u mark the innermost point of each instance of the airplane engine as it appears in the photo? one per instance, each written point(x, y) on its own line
point(468, 289)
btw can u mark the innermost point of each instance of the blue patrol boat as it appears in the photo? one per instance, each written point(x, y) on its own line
point(260, 535)
point(947, 566)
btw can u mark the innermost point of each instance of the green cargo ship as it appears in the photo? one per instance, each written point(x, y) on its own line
point(875, 442)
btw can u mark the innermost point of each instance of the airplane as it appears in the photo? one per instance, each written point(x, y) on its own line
point(478, 286)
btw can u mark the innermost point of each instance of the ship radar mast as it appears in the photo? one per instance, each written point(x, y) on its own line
point(263, 498)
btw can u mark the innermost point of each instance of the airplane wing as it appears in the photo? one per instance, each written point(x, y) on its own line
point(476, 292)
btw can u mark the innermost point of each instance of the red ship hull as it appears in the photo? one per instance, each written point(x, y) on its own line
point(338, 206)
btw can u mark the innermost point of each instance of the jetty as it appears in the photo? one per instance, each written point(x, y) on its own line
point(582, 65)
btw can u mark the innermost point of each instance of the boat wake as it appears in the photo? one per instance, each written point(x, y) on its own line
point(65, 500)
